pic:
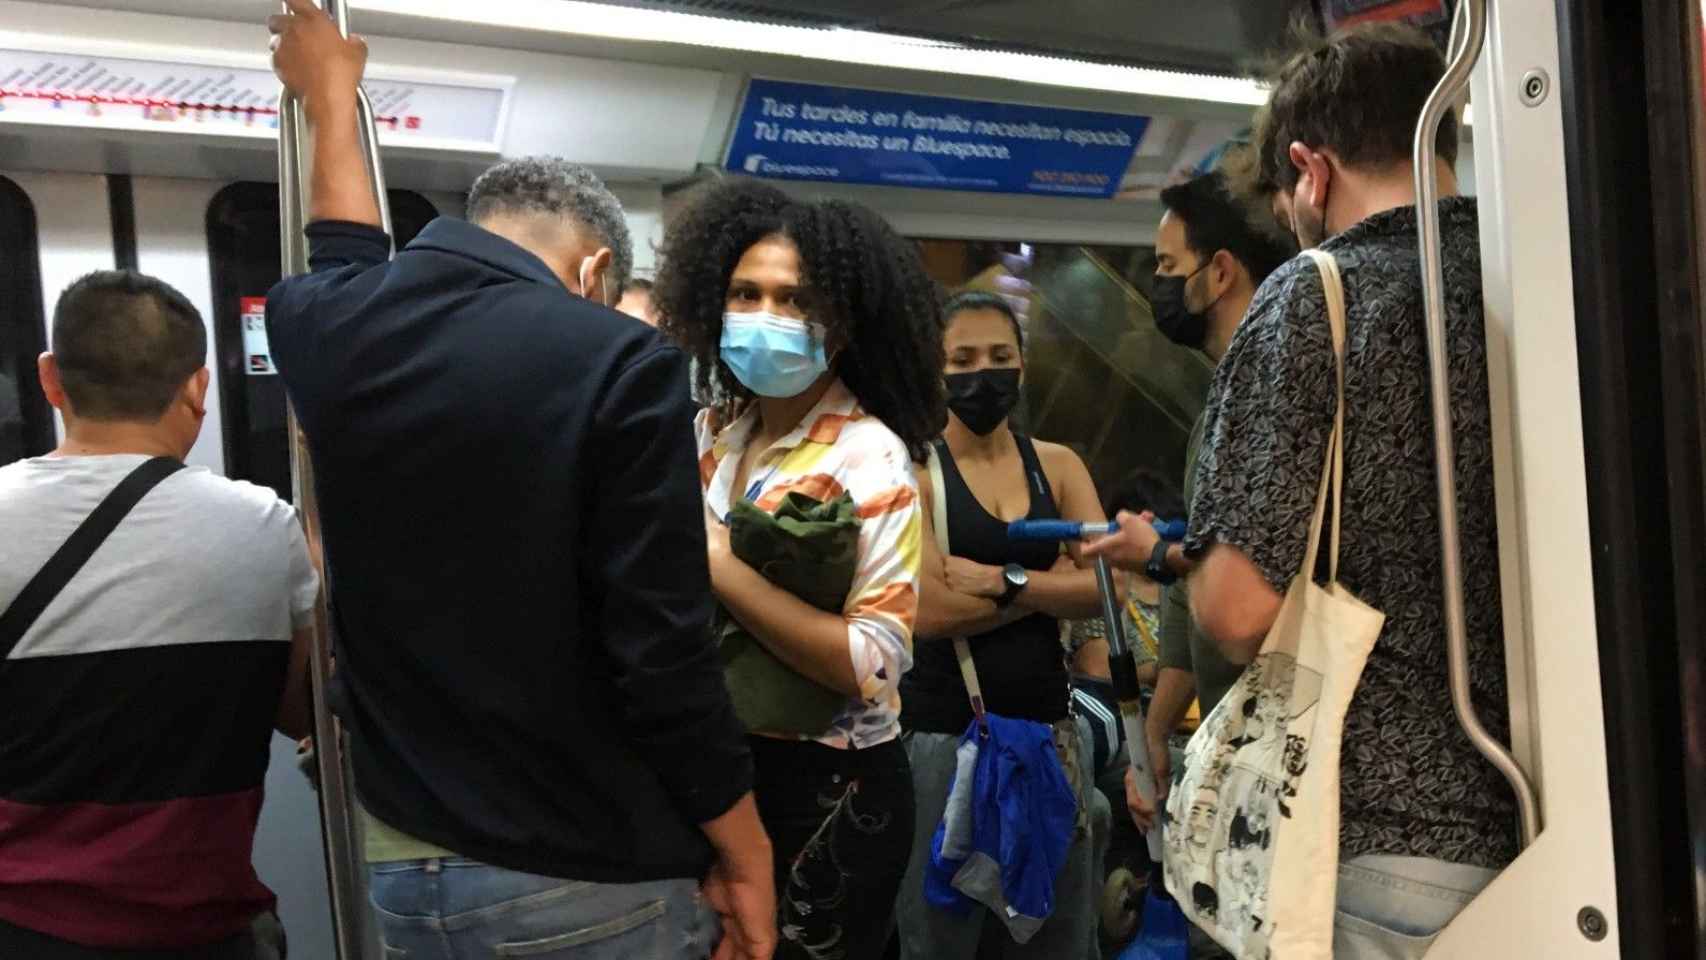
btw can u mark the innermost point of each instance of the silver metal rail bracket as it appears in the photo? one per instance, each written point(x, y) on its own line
point(1469, 32)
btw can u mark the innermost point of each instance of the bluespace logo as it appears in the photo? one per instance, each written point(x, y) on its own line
point(758, 163)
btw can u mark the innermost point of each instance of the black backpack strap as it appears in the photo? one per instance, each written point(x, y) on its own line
point(78, 548)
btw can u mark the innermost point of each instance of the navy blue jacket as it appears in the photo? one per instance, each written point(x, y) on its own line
point(512, 518)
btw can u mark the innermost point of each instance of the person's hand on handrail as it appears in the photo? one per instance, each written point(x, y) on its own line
point(323, 70)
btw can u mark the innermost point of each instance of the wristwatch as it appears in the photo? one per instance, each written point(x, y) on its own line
point(1157, 569)
point(1015, 577)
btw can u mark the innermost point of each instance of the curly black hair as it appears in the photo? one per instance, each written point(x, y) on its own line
point(864, 283)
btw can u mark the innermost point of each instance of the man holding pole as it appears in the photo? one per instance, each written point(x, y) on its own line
point(541, 740)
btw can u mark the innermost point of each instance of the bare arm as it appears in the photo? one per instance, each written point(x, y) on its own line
point(323, 70)
point(1233, 602)
point(1069, 590)
point(942, 610)
point(741, 886)
point(295, 718)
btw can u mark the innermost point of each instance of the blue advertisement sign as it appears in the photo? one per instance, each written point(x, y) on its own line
point(804, 131)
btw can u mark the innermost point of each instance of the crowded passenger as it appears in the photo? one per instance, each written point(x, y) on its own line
point(1007, 599)
point(636, 300)
point(1212, 251)
point(154, 635)
point(540, 736)
point(818, 328)
point(1425, 821)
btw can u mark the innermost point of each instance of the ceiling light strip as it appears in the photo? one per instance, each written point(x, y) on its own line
point(888, 51)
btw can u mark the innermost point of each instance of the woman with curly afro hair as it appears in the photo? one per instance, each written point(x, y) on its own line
point(816, 330)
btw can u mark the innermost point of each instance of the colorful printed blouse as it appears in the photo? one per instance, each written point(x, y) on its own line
point(837, 448)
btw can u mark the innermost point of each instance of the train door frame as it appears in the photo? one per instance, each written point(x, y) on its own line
point(1636, 183)
point(210, 205)
point(74, 236)
point(1593, 275)
point(27, 334)
point(1559, 897)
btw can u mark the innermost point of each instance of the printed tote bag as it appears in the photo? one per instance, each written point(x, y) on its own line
point(1252, 840)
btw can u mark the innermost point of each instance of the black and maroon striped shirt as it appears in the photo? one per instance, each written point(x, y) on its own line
point(139, 707)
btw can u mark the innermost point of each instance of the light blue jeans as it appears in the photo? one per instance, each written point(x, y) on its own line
point(453, 908)
point(1392, 908)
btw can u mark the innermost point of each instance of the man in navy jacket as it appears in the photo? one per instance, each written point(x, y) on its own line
point(512, 518)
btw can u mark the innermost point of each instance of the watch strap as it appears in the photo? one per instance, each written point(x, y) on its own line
point(1010, 589)
point(1157, 569)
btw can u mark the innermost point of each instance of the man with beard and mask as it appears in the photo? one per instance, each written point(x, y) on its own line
point(1210, 256)
point(1425, 822)
point(1007, 599)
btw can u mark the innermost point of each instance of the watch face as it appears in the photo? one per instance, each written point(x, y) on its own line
point(1016, 575)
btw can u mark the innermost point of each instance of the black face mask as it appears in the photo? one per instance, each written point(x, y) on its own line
point(983, 399)
point(1177, 322)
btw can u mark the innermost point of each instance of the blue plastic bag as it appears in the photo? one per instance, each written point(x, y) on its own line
point(1165, 933)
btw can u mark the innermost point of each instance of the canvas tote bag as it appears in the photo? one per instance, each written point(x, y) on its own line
point(1252, 841)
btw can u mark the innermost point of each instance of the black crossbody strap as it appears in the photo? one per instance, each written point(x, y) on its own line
point(78, 548)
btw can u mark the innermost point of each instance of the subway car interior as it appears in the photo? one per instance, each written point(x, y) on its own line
point(144, 134)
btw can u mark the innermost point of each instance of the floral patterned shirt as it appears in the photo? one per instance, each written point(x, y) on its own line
point(1411, 782)
point(837, 448)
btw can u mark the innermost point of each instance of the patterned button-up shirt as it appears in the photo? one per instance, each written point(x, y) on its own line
point(837, 448)
point(1411, 782)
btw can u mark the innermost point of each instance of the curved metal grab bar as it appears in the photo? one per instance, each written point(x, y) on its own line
point(1471, 24)
point(337, 822)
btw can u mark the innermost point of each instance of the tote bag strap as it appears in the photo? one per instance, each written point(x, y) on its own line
point(1333, 466)
point(962, 649)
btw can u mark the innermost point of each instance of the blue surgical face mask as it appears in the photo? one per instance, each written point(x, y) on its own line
point(773, 356)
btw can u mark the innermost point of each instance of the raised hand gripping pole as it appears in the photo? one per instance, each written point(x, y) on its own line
point(336, 821)
point(1121, 666)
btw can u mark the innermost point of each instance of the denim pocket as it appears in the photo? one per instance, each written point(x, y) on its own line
point(1355, 938)
point(549, 946)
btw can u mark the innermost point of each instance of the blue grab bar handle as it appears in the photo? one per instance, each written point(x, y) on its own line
point(1057, 530)
point(1070, 530)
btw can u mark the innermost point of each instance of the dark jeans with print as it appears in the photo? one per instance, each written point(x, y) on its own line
point(841, 825)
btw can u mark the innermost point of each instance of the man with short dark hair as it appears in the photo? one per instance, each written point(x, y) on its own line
point(1425, 821)
point(1211, 255)
point(540, 733)
point(153, 635)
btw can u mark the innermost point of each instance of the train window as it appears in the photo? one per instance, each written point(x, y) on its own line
point(1099, 377)
point(243, 255)
point(26, 420)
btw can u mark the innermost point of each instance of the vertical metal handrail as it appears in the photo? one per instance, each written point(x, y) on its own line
point(1471, 20)
point(336, 813)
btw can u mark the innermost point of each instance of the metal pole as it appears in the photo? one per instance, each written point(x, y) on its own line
point(1123, 670)
point(1471, 20)
point(337, 821)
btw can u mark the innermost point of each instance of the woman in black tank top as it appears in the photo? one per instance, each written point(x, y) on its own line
point(1007, 598)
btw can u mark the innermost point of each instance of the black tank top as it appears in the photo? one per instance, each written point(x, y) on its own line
point(1021, 666)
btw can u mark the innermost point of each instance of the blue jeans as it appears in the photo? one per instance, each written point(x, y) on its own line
point(1392, 908)
point(459, 909)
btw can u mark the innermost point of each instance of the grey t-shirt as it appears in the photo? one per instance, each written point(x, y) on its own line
point(1183, 646)
point(201, 559)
